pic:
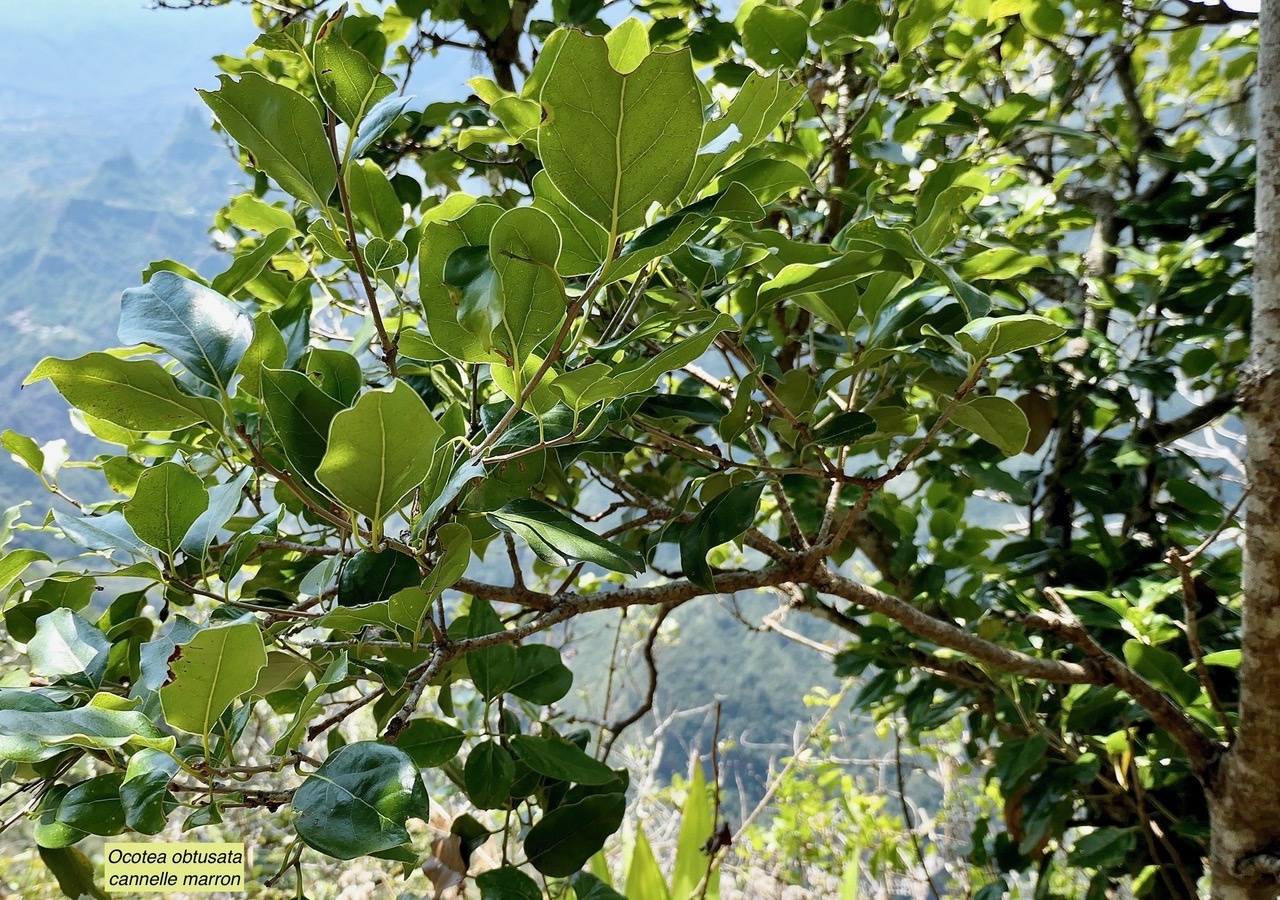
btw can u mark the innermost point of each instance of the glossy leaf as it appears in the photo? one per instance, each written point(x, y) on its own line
point(359, 800)
point(561, 842)
point(197, 326)
point(67, 646)
point(488, 774)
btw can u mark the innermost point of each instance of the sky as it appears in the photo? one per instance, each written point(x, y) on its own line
point(122, 64)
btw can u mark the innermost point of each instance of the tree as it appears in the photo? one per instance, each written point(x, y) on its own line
point(778, 303)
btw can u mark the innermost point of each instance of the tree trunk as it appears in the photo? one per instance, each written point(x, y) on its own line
point(1244, 792)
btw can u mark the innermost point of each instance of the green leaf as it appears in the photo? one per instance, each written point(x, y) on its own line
point(300, 414)
point(24, 450)
point(210, 671)
point(27, 736)
point(1163, 669)
point(524, 247)
point(197, 326)
point(266, 350)
point(636, 376)
point(735, 204)
point(109, 531)
point(248, 266)
point(46, 828)
point(335, 372)
point(488, 774)
point(369, 577)
point(349, 83)
point(94, 806)
point(582, 241)
point(224, 500)
point(775, 36)
point(756, 110)
point(379, 450)
point(507, 883)
point(561, 842)
point(144, 791)
point(996, 420)
point(725, 517)
point(374, 200)
point(167, 502)
point(457, 322)
point(986, 337)
point(540, 676)
point(696, 826)
point(491, 668)
point(430, 742)
point(560, 759)
point(589, 887)
point(844, 429)
point(359, 800)
point(15, 562)
point(628, 45)
point(1102, 847)
point(455, 539)
point(281, 130)
point(613, 143)
point(67, 646)
point(644, 876)
point(335, 672)
point(73, 872)
point(377, 120)
point(137, 394)
point(557, 539)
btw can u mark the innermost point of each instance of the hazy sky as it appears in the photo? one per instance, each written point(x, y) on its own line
point(121, 60)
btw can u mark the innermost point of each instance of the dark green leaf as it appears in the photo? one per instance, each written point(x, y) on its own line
point(488, 774)
point(561, 842)
point(557, 539)
point(358, 801)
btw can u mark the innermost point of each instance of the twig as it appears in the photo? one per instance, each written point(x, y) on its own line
point(388, 343)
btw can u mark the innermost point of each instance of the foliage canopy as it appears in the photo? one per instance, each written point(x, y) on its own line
point(691, 305)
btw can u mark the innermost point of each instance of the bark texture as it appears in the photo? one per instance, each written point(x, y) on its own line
point(1244, 792)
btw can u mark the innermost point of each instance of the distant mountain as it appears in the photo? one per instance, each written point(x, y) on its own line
point(70, 244)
